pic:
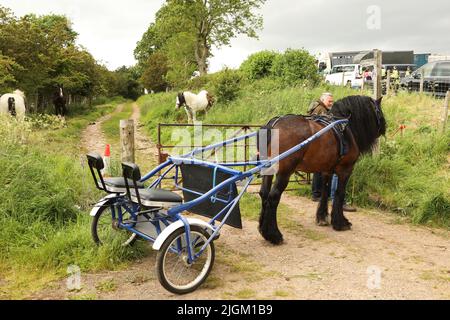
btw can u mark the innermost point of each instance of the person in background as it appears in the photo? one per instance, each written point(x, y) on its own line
point(322, 107)
point(408, 72)
point(395, 79)
point(318, 108)
point(367, 75)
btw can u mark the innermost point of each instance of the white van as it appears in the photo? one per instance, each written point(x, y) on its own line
point(347, 75)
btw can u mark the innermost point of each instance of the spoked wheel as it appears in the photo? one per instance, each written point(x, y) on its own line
point(174, 271)
point(106, 230)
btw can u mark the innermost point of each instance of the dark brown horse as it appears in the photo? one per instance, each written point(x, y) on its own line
point(366, 125)
point(59, 100)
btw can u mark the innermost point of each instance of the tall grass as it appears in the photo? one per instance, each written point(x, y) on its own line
point(410, 175)
point(44, 203)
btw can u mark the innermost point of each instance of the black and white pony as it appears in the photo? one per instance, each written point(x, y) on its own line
point(13, 104)
point(194, 103)
point(59, 100)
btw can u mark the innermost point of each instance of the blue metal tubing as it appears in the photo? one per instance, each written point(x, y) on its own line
point(224, 220)
point(179, 161)
point(218, 145)
point(297, 148)
point(239, 176)
point(158, 169)
point(158, 181)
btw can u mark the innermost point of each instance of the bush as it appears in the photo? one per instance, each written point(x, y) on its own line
point(296, 66)
point(200, 83)
point(259, 65)
point(227, 85)
point(47, 121)
point(46, 194)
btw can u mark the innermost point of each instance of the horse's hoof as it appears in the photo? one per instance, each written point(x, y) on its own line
point(275, 239)
point(344, 227)
point(323, 223)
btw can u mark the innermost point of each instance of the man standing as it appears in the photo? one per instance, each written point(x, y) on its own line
point(322, 107)
point(319, 108)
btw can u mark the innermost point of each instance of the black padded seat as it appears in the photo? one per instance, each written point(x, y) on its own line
point(157, 198)
point(118, 185)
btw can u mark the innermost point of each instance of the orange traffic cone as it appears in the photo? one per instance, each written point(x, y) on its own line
point(106, 172)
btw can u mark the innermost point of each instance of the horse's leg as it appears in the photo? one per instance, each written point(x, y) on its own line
point(322, 210)
point(338, 220)
point(269, 227)
point(264, 194)
point(189, 114)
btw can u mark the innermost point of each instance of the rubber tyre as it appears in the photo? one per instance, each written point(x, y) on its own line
point(94, 226)
point(162, 252)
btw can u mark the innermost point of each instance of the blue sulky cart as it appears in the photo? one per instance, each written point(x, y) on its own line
point(185, 245)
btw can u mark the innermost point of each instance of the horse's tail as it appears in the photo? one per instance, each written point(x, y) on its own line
point(210, 99)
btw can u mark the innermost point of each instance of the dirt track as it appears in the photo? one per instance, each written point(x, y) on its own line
point(313, 263)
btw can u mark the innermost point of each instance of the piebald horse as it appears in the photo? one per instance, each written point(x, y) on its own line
point(194, 103)
point(13, 104)
point(59, 100)
point(366, 125)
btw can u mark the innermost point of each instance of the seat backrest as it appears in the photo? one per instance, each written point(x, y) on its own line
point(95, 160)
point(96, 164)
point(132, 172)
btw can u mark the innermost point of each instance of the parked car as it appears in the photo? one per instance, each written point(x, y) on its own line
point(436, 78)
point(349, 75)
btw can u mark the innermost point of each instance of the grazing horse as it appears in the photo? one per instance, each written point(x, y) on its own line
point(13, 103)
point(366, 125)
point(194, 103)
point(59, 101)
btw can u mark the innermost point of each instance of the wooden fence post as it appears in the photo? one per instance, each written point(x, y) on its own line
point(445, 113)
point(388, 83)
point(422, 82)
point(127, 140)
point(377, 89)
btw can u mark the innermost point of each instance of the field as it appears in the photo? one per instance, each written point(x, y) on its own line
point(412, 176)
point(48, 192)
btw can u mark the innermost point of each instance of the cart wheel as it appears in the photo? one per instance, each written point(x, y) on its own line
point(104, 230)
point(174, 272)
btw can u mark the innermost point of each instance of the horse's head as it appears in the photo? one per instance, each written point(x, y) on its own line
point(58, 91)
point(181, 101)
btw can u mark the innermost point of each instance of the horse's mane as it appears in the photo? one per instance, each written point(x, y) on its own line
point(364, 122)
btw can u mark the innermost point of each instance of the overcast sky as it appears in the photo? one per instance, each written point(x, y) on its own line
point(109, 29)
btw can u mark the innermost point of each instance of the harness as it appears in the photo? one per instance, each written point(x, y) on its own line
point(324, 120)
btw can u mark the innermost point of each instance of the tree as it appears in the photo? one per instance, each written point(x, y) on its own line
point(7, 79)
point(296, 65)
point(259, 65)
point(211, 22)
point(127, 83)
point(154, 75)
point(37, 53)
point(180, 59)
